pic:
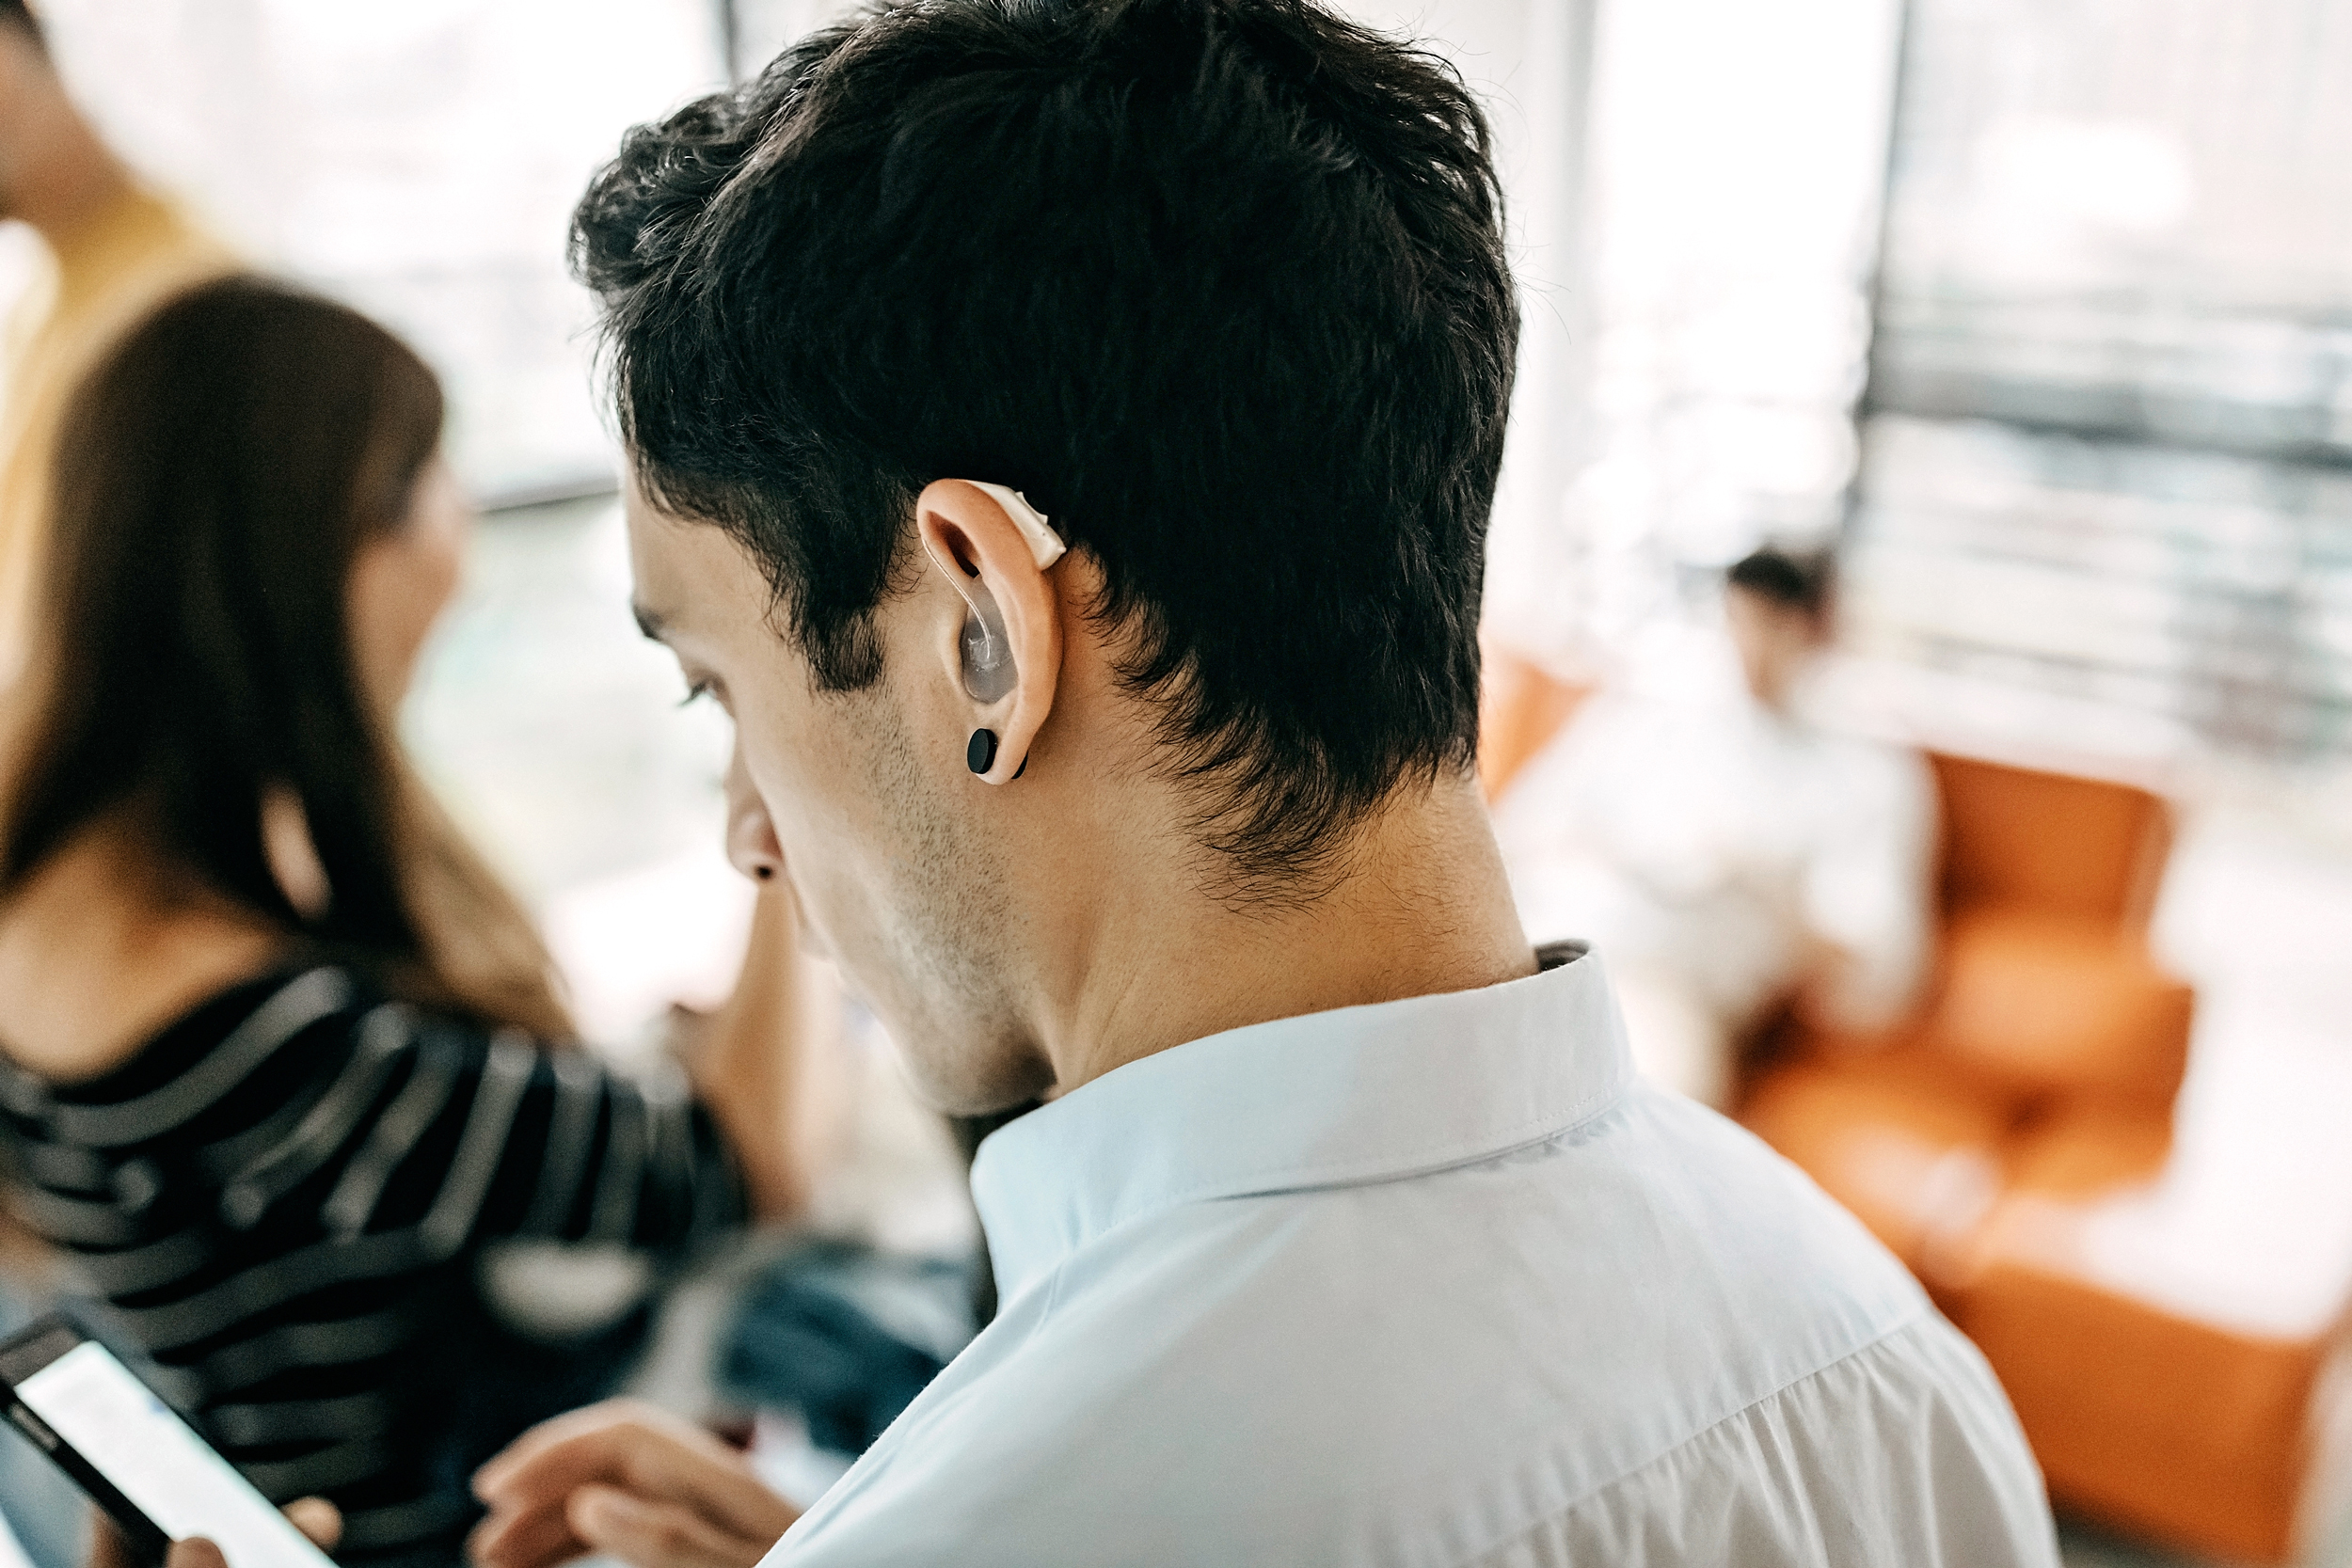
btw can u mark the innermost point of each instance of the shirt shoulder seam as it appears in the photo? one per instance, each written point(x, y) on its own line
point(1912, 1320)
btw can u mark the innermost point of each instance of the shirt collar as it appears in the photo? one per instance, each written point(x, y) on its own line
point(1332, 1099)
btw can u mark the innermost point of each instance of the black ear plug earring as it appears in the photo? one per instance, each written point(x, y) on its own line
point(981, 754)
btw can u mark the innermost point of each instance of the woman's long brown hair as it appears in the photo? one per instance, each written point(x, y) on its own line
point(216, 478)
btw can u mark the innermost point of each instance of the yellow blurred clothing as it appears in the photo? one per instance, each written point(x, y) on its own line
point(104, 278)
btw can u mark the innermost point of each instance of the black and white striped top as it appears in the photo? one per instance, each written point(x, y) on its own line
point(283, 1198)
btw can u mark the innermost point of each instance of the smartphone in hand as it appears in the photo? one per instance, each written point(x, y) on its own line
point(155, 1477)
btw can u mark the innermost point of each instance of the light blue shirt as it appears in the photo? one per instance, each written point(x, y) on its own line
point(1431, 1282)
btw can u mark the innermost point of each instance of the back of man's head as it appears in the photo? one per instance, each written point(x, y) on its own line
point(1219, 283)
point(1792, 581)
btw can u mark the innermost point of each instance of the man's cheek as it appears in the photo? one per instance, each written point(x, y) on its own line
point(834, 909)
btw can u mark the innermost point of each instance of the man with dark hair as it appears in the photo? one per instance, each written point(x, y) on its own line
point(1062, 436)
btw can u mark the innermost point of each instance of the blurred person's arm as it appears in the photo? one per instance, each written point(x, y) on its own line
point(624, 1481)
point(1869, 899)
point(768, 1065)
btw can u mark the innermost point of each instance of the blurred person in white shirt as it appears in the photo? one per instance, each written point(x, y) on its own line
point(1725, 851)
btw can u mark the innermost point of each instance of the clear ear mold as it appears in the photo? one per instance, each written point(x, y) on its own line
point(988, 667)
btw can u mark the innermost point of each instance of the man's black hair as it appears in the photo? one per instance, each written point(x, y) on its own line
point(1219, 283)
point(1793, 580)
point(18, 13)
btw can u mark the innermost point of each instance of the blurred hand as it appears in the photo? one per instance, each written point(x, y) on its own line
point(313, 1516)
point(626, 1481)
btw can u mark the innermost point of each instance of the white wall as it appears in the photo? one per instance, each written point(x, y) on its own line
point(420, 159)
point(1531, 62)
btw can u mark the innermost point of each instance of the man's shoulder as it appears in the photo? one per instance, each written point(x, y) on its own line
point(1714, 1272)
point(1904, 1451)
point(1442, 1361)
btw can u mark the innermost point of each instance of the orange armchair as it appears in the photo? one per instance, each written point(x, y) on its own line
point(2046, 1019)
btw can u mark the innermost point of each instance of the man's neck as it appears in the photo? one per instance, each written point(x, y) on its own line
point(1422, 906)
point(66, 182)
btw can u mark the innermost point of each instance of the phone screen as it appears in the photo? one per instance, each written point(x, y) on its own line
point(93, 1403)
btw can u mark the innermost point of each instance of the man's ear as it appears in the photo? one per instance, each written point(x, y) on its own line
point(973, 544)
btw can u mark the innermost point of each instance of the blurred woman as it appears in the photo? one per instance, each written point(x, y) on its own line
point(276, 1060)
